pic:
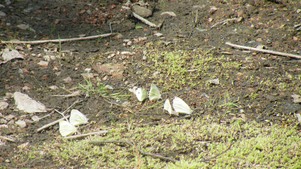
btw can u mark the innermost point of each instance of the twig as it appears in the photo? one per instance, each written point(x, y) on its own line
point(211, 158)
point(62, 114)
point(7, 139)
point(264, 51)
point(144, 20)
point(75, 93)
point(57, 121)
point(87, 134)
point(98, 143)
point(57, 40)
point(225, 21)
point(47, 115)
point(52, 123)
point(74, 103)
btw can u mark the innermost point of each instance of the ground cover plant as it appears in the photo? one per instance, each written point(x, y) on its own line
point(164, 92)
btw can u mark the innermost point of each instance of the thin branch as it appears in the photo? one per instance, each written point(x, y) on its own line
point(74, 103)
point(7, 139)
point(144, 20)
point(217, 155)
point(47, 115)
point(225, 22)
point(57, 121)
point(87, 134)
point(52, 123)
point(264, 51)
point(98, 143)
point(57, 40)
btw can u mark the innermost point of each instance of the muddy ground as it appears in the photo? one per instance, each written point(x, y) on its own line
point(198, 25)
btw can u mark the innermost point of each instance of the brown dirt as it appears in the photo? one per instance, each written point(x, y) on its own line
point(260, 22)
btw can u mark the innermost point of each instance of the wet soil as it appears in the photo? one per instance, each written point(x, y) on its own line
point(198, 24)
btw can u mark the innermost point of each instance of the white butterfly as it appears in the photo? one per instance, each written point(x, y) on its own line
point(66, 128)
point(167, 106)
point(77, 118)
point(140, 93)
point(154, 93)
point(179, 107)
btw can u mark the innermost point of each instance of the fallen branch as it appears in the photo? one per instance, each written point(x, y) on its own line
point(87, 134)
point(264, 51)
point(144, 20)
point(57, 40)
point(98, 143)
point(7, 139)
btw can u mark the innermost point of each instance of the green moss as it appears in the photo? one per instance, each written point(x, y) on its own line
point(237, 145)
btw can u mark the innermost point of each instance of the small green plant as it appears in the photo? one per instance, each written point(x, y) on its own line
point(105, 91)
point(253, 96)
point(87, 88)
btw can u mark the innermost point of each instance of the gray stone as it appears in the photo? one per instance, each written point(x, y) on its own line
point(142, 11)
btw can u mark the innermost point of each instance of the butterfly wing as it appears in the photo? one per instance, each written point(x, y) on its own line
point(167, 107)
point(154, 93)
point(180, 106)
point(77, 118)
point(141, 94)
point(66, 128)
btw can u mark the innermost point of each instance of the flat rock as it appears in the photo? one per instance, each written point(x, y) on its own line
point(142, 11)
point(21, 123)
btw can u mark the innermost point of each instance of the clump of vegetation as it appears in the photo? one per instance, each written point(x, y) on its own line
point(101, 89)
point(201, 143)
point(178, 68)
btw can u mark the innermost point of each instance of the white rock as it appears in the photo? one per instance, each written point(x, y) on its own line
point(21, 123)
point(67, 79)
point(3, 126)
point(2, 14)
point(8, 55)
point(3, 121)
point(9, 117)
point(35, 118)
point(23, 26)
point(3, 105)
point(27, 104)
point(43, 63)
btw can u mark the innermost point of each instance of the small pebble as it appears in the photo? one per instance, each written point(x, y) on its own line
point(2, 14)
point(21, 123)
point(3, 105)
point(9, 117)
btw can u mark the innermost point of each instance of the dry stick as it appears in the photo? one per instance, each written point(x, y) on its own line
point(7, 138)
point(225, 21)
point(263, 50)
point(57, 121)
point(52, 123)
point(74, 103)
point(211, 158)
point(87, 134)
point(47, 115)
point(98, 143)
point(144, 20)
point(57, 40)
